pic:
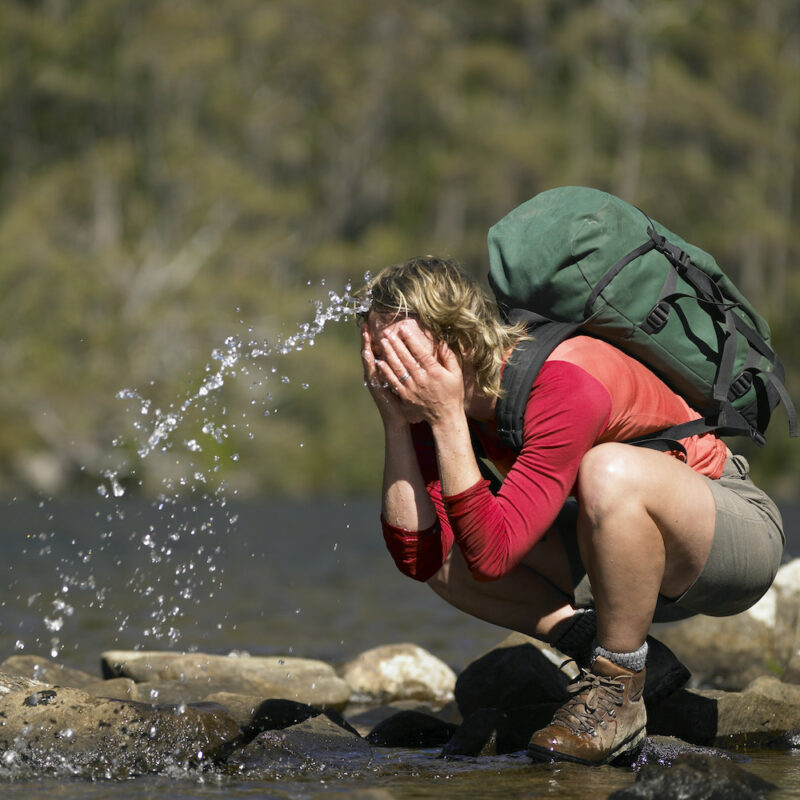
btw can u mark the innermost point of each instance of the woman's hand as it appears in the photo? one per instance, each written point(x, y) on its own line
point(389, 405)
point(425, 376)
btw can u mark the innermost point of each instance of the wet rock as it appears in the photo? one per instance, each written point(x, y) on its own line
point(317, 743)
point(476, 736)
point(729, 652)
point(767, 710)
point(695, 776)
point(399, 672)
point(664, 750)
point(68, 731)
point(411, 729)
point(301, 679)
point(520, 671)
point(42, 669)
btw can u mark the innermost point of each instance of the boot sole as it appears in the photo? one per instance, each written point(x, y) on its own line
point(537, 753)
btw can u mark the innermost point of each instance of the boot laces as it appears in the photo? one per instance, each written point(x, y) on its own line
point(593, 699)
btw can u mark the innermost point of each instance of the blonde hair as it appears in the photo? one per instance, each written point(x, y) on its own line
point(453, 307)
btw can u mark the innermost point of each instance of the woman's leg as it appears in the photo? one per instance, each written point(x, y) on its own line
point(533, 598)
point(645, 526)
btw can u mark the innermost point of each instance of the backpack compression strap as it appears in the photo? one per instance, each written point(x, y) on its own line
point(729, 421)
point(522, 368)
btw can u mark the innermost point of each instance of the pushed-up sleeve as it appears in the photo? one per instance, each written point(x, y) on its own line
point(420, 554)
point(567, 412)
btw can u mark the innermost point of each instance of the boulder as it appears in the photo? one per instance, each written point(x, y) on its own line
point(520, 671)
point(68, 731)
point(43, 669)
point(730, 652)
point(300, 679)
point(399, 672)
point(317, 743)
point(767, 710)
point(695, 775)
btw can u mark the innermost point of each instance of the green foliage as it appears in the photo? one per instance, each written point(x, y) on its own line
point(173, 173)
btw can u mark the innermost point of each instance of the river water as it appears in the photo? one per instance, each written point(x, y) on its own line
point(270, 577)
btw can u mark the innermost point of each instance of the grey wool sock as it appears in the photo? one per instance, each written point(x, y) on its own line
point(633, 661)
point(575, 636)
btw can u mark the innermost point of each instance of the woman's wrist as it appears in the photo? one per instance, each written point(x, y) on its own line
point(396, 426)
point(453, 424)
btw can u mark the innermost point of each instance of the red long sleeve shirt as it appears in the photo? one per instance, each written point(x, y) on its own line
point(586, 393)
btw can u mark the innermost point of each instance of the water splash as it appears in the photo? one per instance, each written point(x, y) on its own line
point(174, 589)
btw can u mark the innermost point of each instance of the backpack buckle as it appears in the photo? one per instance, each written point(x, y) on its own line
point(657, 318)
point(680, 258)
point(740, 385)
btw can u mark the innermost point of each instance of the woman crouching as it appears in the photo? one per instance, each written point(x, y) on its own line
point(587, 539)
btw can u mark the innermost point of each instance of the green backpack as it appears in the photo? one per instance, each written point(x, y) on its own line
point(577, 260)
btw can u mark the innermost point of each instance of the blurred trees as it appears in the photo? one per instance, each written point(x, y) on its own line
point(176, 172)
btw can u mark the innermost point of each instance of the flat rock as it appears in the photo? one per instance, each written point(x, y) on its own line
point(301, 679)
point(68, 731)
point(399, 672)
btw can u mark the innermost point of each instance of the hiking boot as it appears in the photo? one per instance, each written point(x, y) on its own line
point(604, 718)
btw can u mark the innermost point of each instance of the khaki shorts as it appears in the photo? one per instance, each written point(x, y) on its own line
point(745, 554)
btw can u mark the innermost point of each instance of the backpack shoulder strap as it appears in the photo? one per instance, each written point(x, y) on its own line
point(522, 368)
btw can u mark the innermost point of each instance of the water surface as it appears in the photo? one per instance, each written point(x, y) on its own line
point(269, 577)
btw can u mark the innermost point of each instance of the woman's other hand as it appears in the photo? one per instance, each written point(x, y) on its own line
point(389, 405)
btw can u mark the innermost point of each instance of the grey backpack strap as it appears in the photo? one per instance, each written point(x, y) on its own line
point(522, 368)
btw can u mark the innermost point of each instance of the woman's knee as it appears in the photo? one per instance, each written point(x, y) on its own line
point(607, 477)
